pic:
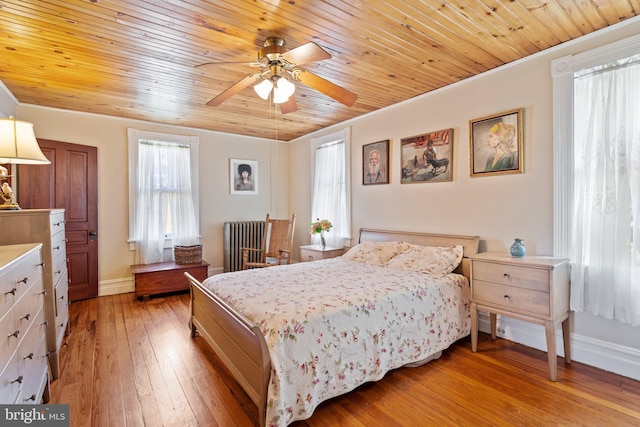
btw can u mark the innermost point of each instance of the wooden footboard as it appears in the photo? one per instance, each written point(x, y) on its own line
point(237, 342)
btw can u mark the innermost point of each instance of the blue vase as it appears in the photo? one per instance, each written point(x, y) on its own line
point(517, 249)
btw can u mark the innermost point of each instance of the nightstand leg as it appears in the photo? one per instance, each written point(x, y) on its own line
point(566, 339)
point(550, 330)
point(474, 327)
point(492, 322)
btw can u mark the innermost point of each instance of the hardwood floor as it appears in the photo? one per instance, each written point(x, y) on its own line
point(133, 363)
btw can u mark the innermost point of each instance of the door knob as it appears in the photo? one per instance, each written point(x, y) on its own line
point(93, 235)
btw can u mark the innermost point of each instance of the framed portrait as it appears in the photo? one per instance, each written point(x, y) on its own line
point(375, 163)
point(496, 144)
point(427, 157)
point(243, 176)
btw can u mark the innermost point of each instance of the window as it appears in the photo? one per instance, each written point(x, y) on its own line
point(163, 194)
point(597, 167)
point(331, 190)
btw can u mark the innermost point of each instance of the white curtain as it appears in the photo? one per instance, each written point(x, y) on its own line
point(606, 233)
point(165, 210)
point(330, 192)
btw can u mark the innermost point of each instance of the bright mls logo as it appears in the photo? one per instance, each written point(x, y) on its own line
point(34, 415)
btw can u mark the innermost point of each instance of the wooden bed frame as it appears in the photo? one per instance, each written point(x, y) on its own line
point(240, 344)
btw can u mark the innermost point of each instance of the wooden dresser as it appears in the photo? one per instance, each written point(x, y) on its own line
point(24, 375)
point(533, 289)
point(46, 226)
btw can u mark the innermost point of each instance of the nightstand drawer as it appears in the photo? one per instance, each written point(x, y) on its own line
point(536, 279)
point(317, 252)
point(511, 298)
point(307, 255)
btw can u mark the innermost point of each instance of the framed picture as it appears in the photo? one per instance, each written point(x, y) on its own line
point(496, 144)
point(375, 163)
point(243, 176)
point(428, 157)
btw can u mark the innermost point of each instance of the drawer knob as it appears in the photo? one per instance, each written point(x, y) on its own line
point(17, 380)
point(507, 298)
point(28, 356)
point(15, 334)
point(44, 292)
point(32, 397)
point(41, 264)
point(26, 316)
point(505, 275)
point(45, 323)
point(25, 280)
point(12, 292)
point(56, 248)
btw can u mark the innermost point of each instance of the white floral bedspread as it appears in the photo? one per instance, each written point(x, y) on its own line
point(335, 324)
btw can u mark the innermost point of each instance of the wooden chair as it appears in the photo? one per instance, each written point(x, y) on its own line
point(276, 244)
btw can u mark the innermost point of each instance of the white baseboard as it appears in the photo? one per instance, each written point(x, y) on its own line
point(115, 286)
point(604, 355)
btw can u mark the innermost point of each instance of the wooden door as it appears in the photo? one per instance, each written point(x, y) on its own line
point(70, 182)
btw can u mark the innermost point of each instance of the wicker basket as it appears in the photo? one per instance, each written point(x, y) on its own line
point(187, 254)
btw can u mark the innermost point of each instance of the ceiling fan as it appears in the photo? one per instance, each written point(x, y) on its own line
point(276, 63)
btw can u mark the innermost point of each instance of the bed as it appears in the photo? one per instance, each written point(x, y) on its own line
point(294, 336)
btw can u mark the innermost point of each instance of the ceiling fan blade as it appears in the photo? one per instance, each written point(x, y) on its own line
point(325, 86)
point(290, 106)
point(235, 88)
point(308, 52)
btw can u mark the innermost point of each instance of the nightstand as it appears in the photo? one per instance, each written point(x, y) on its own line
point(316, 252)
point(533, 289)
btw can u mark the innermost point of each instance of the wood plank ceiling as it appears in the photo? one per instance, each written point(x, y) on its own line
point(136, 58)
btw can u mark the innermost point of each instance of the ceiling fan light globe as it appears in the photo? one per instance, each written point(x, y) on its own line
point(263, 89)
point(286, 87)
point(279, 96)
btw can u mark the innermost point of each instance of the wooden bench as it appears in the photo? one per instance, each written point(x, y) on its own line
point(164, 277)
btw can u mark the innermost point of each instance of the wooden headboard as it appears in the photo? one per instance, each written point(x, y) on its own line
point(469, 243)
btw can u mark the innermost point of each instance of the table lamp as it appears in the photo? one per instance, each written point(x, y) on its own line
point(18, 145)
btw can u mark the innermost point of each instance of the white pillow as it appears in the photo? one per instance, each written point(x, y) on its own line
point(378, 253)
point(437, 260)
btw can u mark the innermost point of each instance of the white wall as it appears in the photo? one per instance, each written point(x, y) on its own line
point(497, 208)
point(217, 205)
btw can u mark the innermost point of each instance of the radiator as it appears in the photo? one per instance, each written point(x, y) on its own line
point(238, 235)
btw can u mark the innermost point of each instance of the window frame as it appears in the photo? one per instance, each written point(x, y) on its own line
point(562, 71)
point(134, 137)
point(344, 135)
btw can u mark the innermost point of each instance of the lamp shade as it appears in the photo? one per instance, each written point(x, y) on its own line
point(18, 144)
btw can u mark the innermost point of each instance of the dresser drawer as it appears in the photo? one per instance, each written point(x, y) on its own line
point(32, 361)
point(10, 383)
point(9, 336)
point(511, 298)
point(26, 272)
point(7, 292)
point(62, 307)
point(58, 248)
point(536, 279)
point(56, 219)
